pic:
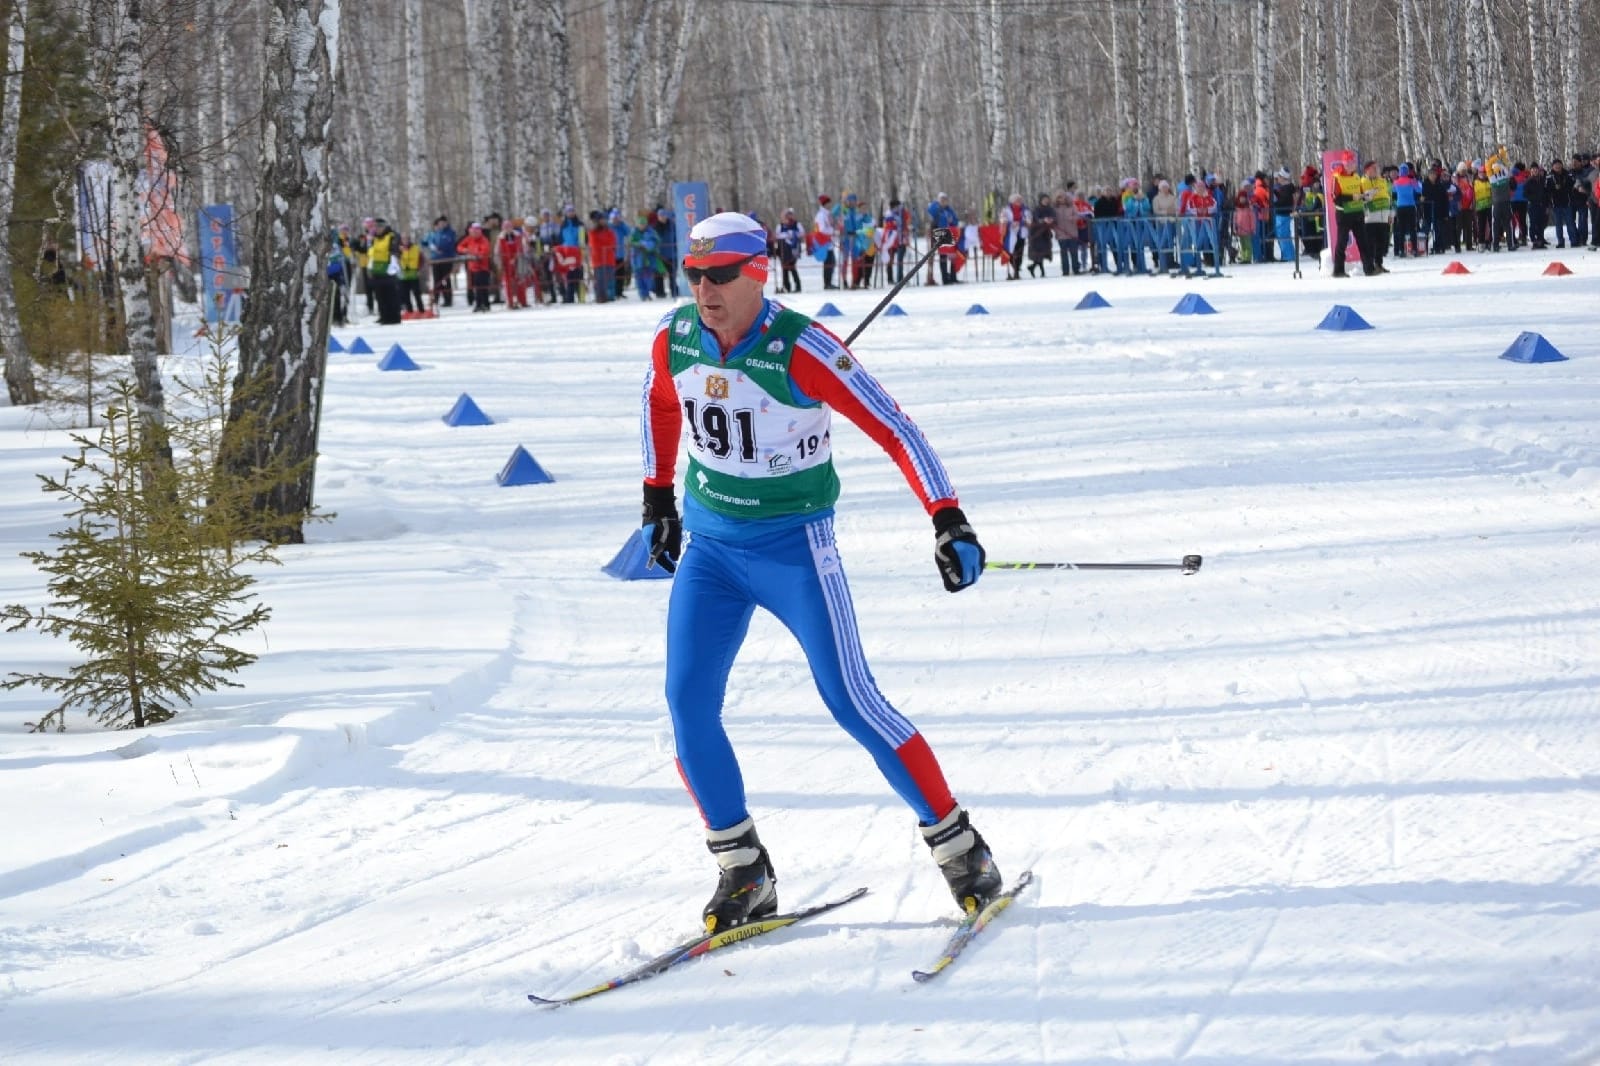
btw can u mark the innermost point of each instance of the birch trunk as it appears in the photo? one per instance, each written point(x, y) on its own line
point(561, 99)
point(1452, 99)
point(906, 185)
point(660, 143)
point(128, 140)
point(20, 386)
point(882, 114)
point(1266, 88)
point(1540, 72)
point(1144, 155)
point(283, 341)
point(1496, 75)
point(1479, 103)
point(1571, 75)
point(797, 119)
point(419, 193)
point(1319, 79)
point(1186, 89)
point(1343, 79)
point(526, 138)
point(994, 102)
point(1412, 132)
point(206, 102)
point(484, 104)
point(622, 82)
point(1121, 98)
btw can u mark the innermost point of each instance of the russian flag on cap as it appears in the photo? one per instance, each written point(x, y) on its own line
point(725, 238)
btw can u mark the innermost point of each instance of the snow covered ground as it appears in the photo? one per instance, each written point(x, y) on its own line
point(1333, 799)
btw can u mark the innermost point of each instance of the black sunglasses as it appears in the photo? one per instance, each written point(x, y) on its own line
point(719, 275)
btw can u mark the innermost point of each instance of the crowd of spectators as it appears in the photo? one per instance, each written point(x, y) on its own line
point(1155, 226)
point(515, 262)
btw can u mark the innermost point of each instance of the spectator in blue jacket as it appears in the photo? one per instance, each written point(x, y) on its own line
point(441, 246)
point(572, 229)
point(1407, 195)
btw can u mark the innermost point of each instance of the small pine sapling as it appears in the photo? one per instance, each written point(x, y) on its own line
point(138, 583)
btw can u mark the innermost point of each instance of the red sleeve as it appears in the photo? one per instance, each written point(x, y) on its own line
point(825, 370)
point(661, 417)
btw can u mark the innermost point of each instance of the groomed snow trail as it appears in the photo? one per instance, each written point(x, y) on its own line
point(1334, 799)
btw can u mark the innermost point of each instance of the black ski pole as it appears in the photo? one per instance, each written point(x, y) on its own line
point(1190, 564)
point(941, 237)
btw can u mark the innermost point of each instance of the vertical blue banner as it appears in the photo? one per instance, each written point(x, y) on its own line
point(220, 279)
point(691, 201)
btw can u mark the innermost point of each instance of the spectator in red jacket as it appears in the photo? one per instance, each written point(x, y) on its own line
point(566, 268)
point(602, 258)
point(474, 248)
point(512, 274)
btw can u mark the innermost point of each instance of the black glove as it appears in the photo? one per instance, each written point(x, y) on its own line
point(663, 532)
point(956, 551)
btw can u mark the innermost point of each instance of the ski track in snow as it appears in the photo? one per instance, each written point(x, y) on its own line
point(1334, 799)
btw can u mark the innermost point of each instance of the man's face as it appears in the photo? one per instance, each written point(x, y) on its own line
point(727, 310)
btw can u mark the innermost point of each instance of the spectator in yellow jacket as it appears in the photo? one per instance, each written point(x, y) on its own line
point(1349, 211)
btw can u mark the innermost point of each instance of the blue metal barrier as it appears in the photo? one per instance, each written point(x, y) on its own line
point(1156, 246)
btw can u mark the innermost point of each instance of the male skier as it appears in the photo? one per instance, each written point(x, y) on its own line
point(757, 384)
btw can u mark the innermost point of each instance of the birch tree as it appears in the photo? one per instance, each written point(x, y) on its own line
point(993, 59)
point(623, 59)
point(283, 339)
point(1478, 76)
point(1461, 128)
point(1313, 77)
point(122, 47)
point(1410, 104)
point(1143, 46)
point(485, 101)
point(668, 85)
point(20, 386)
point(561, 98)
point(1122, 108)
point(525, 87)
point(1266, 85)
point(1570, 34)
point(419, 195)
point(1541, 68)
point(1344, 86)
point(1186, 88)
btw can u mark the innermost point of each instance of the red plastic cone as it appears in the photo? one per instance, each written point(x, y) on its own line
point(1556, 270)
point(1455, 267)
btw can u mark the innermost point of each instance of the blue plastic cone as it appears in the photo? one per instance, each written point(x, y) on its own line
point(1090, 301)
point(394, 359)
point(1343, 318)
point(829, 311)
point(334, 347)
point(466, 412)
point(630, 564)
point(522, 469)
point(1532, 348)
point(977, 309)
point(359, 346)
point(894, 311)
point(1194, 304)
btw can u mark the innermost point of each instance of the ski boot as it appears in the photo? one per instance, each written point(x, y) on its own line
point(964, 860)
point(747, 888)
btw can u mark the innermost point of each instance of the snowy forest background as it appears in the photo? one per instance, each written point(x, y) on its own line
point(468, 106)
